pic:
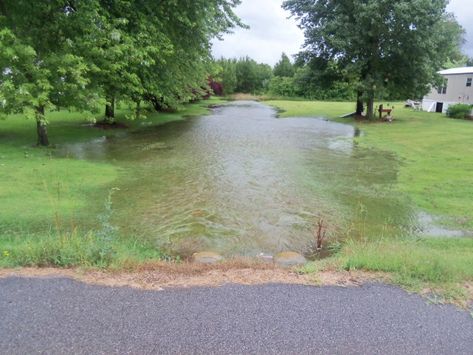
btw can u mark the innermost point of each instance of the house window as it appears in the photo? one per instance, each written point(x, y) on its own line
point(443, 88)
point(468, 82)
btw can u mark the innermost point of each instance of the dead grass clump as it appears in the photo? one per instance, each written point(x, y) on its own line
point(188, 268)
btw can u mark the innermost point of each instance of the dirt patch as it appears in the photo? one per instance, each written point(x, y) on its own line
point(158, 276)
point(437, 295)
point(244, 97)
point(469, 290)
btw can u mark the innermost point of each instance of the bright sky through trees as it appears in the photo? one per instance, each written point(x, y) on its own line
point(272, 33)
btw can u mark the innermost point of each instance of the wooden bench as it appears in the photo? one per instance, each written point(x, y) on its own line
point(388, 111)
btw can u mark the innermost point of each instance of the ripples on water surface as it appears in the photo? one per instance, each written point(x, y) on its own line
point(242, 181)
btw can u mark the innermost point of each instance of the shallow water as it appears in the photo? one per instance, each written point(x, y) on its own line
point(242, 181)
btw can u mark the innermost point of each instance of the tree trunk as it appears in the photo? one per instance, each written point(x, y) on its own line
point(138, 109)
point(158, 103)
point(110, 110)
point(41, 127)
point(359, 103)
point(370, 107)
point(3, 8)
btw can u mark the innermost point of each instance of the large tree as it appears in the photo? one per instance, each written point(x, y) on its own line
point(183, 69)
point(70, 53)
point(393, 47)
point(38, 69)
point(154, 50)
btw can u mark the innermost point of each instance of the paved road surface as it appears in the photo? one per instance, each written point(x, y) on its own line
point(67, 317)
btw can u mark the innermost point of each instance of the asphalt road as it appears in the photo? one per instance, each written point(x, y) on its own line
point(61, 316)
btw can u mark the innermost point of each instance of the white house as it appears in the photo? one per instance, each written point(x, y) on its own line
point(457, 88)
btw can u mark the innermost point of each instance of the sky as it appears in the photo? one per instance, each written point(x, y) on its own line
point(273, 32)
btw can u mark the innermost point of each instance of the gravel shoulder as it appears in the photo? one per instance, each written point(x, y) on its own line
point(60, 315)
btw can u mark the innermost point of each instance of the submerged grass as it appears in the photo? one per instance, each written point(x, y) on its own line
point(436, 154)
point(51, 207)
point(436, 173)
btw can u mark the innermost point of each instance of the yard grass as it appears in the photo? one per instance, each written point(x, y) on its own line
point(436, 172)
point(436, 154)
point(66, 250)
point(441, 268)
point(51, 206)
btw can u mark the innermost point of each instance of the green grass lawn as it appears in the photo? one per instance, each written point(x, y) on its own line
point(436, 173)
point(51, 206)
point(436, 154)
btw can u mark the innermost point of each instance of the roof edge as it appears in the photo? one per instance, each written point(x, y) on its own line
point(456, 71)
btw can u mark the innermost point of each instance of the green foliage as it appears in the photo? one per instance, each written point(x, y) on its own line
point(91, 53)
point(284, 67)
point(459, 111)
point(327, 83)
point(107, 231)
point(243, 75)
point(251, 76)
point(282, 86)
point(459, 61)
point(37, 67)
point(373, 39)
point(227, 75)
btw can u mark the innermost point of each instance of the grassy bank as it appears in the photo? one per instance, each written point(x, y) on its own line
point(436, 173)
point(54, 209)
point(440, 268)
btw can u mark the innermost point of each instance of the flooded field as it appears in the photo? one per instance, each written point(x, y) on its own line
point(241, 181)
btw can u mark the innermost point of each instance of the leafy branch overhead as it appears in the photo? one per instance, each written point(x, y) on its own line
point(86, 54)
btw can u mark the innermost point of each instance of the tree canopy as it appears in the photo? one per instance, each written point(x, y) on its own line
point(392, 47)
point(284, 67)
point(78, 54)
point(243, 75)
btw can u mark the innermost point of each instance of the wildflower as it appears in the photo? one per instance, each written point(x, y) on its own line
point(6, 253)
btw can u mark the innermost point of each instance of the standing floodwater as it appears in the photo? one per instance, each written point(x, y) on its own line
point(242, 181)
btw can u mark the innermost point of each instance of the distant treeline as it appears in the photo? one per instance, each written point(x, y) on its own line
point(306, 77)
point(312, 80)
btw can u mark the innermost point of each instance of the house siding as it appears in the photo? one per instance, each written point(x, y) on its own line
point(457, 92)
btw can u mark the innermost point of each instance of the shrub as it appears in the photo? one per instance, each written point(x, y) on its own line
point(282, 86)
point(459, 111)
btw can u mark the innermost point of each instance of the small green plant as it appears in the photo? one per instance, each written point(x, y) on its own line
point(461, 111)
point(108, 232)
point(75, 249)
